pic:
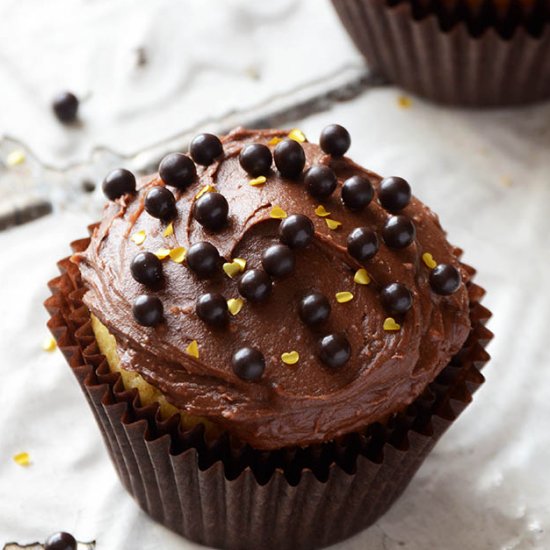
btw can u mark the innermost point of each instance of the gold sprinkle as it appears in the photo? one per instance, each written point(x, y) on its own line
point(162, 253)
point(206, 189)
point(290, 357)
point(428, 259)
point(333, 224)
point(15, 158)
point(193, 349)
point(235, 305)
point(139, 237)
point(343, 297)
point(178, 254)
point(297, 135)
point(391, 325)
point(361, 277)
point(23, 459)
point(274, 140)
point(169, 231)
point(321, 211)
point(260, 180)
point(235, 267)
point(240, 262)
point(278, 213)
point(404, 102)
point(49, 344)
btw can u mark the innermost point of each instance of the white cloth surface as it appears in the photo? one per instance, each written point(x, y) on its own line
point(485, 485)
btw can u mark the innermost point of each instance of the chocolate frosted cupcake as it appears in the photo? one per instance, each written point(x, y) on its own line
point(271, 337)
point(463, 52)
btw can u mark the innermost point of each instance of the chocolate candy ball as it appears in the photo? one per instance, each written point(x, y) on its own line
point(146, 268)
point(334, 350)
point(394, 193)
point(445, 279)
point(248, 363)
point(357, 192)
point(60, 541)
point(161, 203)
point(314, 308)
point(205, 149)
point(65, 107)
point(211, 211)
point(204, 259)
point(255, 285)
point(290, 158)
point(396, 299)
point(212, 309)
point(256, 159)
point(296, 231)
point(335, 140)
point(320, 182)
point(177, 170)
point(278, 260)
point(117, 183)
point(362, 243)
point(148, 310)
point(398, 232)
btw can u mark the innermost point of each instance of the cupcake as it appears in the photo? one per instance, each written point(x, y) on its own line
point(271, 337)
point(461, 52)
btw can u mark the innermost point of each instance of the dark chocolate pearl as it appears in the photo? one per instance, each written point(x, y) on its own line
point(248, 363)
point(148, 310)
point(205, 149)
point(362, 243)
point(320, 182)
point(396, 299)
point(314, 308)
point(211, 211)
point(60, 541)
point(296, 231)
point(117, 183)
point(335, 140)
point(203, 258)
point(290, 158)
point(278, 260)
point(65, 107)
point(445, 279)
point(212, 309)
point(161, 203)
point(334, 350)
point(357, 192)
point(394, 193)
point(255, 285)
point(177, 170)
point(146, 268)
point(256, 159)
point(398, 232)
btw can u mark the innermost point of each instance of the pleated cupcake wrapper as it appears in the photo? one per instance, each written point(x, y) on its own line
point(441, 57)
point(225, 494)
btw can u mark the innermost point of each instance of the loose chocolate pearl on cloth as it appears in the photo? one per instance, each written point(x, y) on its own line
point(396, 298)
point(65, 107)
point(212, 309)
point(296, 231)
point(255, 285)
point(148, 310)
point(444, 279)
point(146, 268)
point(203, 258)
point(320, 182)
point(362, 243)
point(334, 350)
point(60, 541)
point(394, 193)
point(357, 192)
point(211, 211)
point(256, 159)
point(398, 232)
point(335, 140)
point(117, 183)
point(177, 170)
point(248, 363)
point(160, 203)
point(314, 308)
point(278, 260)
point(290, 158)
point(205, 149)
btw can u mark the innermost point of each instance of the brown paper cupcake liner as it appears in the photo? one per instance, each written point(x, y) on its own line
point(456, 56)
point(228, 495)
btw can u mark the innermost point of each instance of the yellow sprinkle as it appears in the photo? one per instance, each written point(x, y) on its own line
point(390, 324)
point(139, 237)
point(297, 135)
point(169, 231)
point(428, 259)
point(193, 349)
point(333, 224)
point(343, 297)
point(15, 158)
point(274, 140)
point(23, 459)
point(241, 262)
point(205, 189)
point(260, 180)
point(235, 267)
point(235, 305)
point(361, 277)
point(321, 211)
point(162, 253)
point(49, 344)
point(178, 254)
point(404, 102)
point(278, 213)
point(290, 358)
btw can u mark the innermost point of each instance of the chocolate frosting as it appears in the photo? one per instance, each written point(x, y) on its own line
point(291, 405)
